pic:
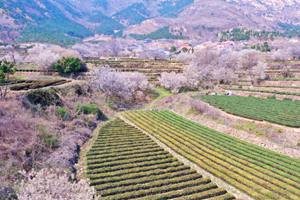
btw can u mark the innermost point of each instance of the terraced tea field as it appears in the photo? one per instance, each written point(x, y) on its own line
point(151, 68)
point(258, 172)
point(36, 84)
point(276, 111)
point(292, 92)
point(125, 163)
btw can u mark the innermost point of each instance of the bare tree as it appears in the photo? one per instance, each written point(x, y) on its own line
point(115, 48)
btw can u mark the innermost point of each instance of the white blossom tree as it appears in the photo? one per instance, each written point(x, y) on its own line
point(212, 64)
point(173, 81)
point(281, 55)
point(125, 86)
point(44, 55)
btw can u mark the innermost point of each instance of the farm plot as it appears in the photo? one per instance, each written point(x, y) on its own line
point(264, 91)
point(17, 85)
point(151, 68)
point(36, 84)
point(284, 112)
point(258, 172)
point(125, 163)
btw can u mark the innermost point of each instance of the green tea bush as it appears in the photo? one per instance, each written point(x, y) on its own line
point(50, 141)
point(271, 97)
point(62, 113)
point(69, 65)
point(288, 99)
point(6, 69)
point(91, 109)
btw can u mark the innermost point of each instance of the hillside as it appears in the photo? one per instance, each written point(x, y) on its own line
point(68, 22)
point(205, 18)
point(165, 128)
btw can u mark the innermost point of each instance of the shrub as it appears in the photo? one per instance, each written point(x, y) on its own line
point(50, 141)
point(173, 49)
point(67, 155)
point(79, 90)
point(89, 109)
point(51, 184)
point(286, 73)
point(62, 113)
point(18, 137)
point(41, 98)
point(69, 65)
point(7, 193)
point(199, 106)
point(6, 68)
point(204, 109)
point(271, 97)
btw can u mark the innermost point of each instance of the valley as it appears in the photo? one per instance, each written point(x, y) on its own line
point(128, 153)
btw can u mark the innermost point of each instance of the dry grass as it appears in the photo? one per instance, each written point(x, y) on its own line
point(52, 184)
point(38, 139)
point(18, 138)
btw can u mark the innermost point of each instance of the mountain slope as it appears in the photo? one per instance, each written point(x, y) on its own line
point(66, 22)
point(44, 20)
point(204, 18)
